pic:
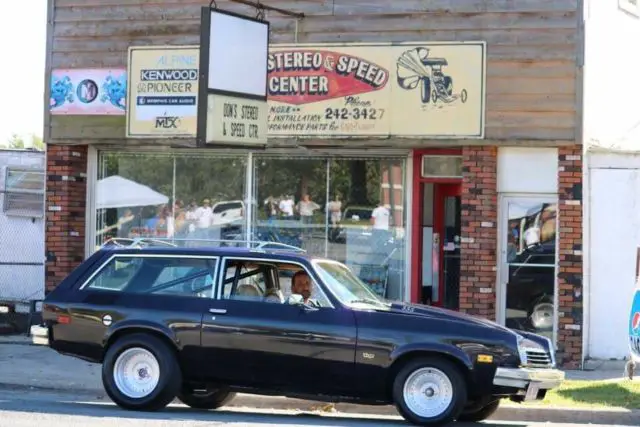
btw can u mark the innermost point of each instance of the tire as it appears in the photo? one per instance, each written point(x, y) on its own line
point(159, 362)
point(480, 414)
point(441, 371)
point(210, 399)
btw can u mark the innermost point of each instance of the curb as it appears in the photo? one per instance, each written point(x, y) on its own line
point(507, 412)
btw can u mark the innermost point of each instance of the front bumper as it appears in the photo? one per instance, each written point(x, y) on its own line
point(39, 335)
point(531, 381)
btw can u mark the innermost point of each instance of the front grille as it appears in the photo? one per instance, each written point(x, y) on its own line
point(537, 358)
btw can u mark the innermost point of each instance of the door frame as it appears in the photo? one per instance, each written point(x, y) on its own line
point(417, 212)
point(503, 269)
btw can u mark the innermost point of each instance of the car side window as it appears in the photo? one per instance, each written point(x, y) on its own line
point(285, 275)
point(116, 275)
point(245, 282)
point(158, 275)
point(265, 282)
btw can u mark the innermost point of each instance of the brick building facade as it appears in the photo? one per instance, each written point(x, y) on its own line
point(65, 210)
point(512, 191)
point(479, 231)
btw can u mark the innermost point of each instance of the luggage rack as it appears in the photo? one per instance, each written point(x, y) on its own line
point(145, 242)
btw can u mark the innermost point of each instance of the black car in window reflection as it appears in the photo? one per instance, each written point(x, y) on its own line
point(531, 257)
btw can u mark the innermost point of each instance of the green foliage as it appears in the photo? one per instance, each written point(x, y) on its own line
point(17, 142)
point(222, 177)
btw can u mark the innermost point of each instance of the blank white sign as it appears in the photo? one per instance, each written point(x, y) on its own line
point(238, 51)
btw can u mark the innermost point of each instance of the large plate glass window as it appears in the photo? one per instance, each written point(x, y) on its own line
point(355, 212)
point(181, 197)
point(529, 230)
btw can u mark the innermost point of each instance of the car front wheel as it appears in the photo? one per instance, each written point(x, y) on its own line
point(429, 391)
point(479, 414)
point(140, 372)
point(205, 399)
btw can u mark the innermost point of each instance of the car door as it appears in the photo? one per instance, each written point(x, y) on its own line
point(249, 341)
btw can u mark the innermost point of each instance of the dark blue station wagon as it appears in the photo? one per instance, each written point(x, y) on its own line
point(204, 323)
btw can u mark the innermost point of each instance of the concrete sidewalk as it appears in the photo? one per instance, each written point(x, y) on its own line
point(26, 366)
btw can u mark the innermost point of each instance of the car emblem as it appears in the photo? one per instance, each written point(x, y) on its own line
point(107, 320)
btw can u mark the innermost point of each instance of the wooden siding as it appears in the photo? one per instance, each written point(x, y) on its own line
point(532, 48)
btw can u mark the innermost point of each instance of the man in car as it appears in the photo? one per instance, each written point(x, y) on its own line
point(301, 285)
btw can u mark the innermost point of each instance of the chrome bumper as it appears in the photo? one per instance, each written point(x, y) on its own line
point(39, 335)
point(522, 378)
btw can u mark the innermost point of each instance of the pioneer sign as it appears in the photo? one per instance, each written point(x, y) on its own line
point(427, 90)
point(163, 91)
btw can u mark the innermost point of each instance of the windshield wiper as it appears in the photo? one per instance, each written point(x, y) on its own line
point(366, 301)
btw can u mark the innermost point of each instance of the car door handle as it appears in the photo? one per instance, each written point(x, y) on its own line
point(217, 311)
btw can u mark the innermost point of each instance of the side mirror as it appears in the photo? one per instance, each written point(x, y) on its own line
point(295, 299)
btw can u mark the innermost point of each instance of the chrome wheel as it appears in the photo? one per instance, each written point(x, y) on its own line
point(428, 392)
point(136, 372)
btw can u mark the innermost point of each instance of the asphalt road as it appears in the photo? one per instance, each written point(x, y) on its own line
point(25, 408)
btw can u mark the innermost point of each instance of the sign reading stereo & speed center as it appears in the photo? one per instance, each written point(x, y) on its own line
point(411, 89)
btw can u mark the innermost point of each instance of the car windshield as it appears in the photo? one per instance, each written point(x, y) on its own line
point(345, 285)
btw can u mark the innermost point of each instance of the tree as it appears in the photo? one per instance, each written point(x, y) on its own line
point(16, 141)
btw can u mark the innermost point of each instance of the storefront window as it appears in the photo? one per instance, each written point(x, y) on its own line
point(178, 196)
point(353, 212)
point(350, 210)
point(291, 195)
point(530, 262)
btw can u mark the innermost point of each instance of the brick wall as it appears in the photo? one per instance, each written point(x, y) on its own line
point(570, 257)
point(479, 216)
point(65, 210)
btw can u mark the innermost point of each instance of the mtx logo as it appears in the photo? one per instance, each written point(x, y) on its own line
point(167, 122)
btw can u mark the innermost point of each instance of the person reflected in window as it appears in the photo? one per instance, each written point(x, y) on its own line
point(301, 285)
point(125, 223)
point(306, 207)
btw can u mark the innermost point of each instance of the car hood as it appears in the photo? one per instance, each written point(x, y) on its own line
point(418, 310)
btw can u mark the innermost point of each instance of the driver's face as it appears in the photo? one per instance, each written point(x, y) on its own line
point(302, 286)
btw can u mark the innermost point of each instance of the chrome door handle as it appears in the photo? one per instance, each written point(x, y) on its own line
point(217, 311)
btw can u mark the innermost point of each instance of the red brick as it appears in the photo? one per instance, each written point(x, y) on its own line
point(70, 197)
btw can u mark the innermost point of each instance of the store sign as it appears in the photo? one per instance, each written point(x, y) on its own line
point(421, 90)
point(238, 120)
point(88, 91)
point(163, 91)
point(233, 95)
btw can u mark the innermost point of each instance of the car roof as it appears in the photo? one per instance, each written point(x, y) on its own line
point(280, 254)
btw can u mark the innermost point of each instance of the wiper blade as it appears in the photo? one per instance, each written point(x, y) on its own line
point(366, 301)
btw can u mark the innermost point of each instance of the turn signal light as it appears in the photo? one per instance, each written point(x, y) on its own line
point(64, 319)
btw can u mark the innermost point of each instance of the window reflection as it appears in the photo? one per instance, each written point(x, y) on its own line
point(359, 219)
point(176, 196)
point(531, 251)
point(291, 194)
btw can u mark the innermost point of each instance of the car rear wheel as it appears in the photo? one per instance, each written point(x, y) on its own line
point(481, 414)
point(140, 372)
point(205, 399)
point(429, 391)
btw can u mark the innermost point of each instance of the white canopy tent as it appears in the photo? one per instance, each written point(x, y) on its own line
point(118, 192)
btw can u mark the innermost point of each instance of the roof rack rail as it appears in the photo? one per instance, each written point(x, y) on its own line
point(140, 242)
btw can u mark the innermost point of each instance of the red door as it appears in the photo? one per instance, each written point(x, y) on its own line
point(446, 259)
